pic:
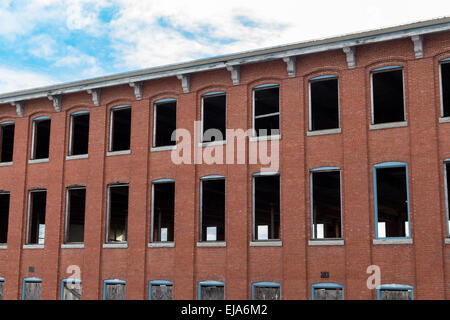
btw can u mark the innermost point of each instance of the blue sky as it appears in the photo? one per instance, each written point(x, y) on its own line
point(44, 42)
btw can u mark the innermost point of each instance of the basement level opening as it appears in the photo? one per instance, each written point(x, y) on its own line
point(118, 213)
point(36, 217)
point(213, 210)
point(75, 215)
point(71, 290)
point(120, 129)
point(4, 217)
point(266, 111)
point(115, 291)
point(328, 294)
point(445, 78)
point(324, 104)
point(214, 118)
point(388, 97)
point(41, 139)
point(267, 293)
point(163, 212)
point(447, 173)
point(165, 123)
point(32, 290)
point(212, 292)
point(395, 294)
point(79, 134)
point(7, 142)
point(267, 207)
point(162, 292)
point(2, 290)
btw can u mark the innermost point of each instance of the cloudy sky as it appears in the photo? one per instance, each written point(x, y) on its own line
point(43, 42)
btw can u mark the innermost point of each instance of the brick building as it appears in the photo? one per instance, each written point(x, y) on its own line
point(89, 188)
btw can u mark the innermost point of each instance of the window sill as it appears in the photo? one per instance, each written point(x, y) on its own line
point(167, 148)
point(115, 245)
point(3, 247)
point(212, 144)
point(212, 244)
point(81, 156)
point(72, 246)
point(118, 153)
point(444, 120)
point(447, 241)
point(392, 241)
point(6, 164)
point(266, 138)
point(38, 161)
point(33, 246)
point(275, 243)
point(323, 132)
point(161, 245)
point(389, 125)
point(326, 243)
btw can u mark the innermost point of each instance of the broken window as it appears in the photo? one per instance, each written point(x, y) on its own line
point(214, 117)
point(212, 291)
point(212, 214)
point(266, 111)
point(266, 291)
point(326, 204)
point(79, 135)
point(118, 213)
point(120, 129)
point(395, 294)
point(324, 105)
point(266, 207)
point(388, 98)
point(163, 211)
point(445, 87)
point(392, 202)
point(328, 293)
point(41, 138)
point(161, 290)
point(2, 288)
point(165, 123)
point(36, 217)
point(76, 207)
point(7, 142)
point(4, 216)
point(115, 290)
point(71, 289)
point(32, 289)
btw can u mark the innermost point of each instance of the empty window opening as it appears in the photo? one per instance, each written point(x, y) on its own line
point(118, 213)
point(80, 135)
point(392, 202)
point(115, 291)
point(7, 142)
point(2, 289)
point(387, 294)
point(266, 293)
point(165, 123)
point(447, 174)
point(163, 212)
point(388, 98)
point(36, 216)
point(4, 217)
point(162, 292)
point(326, 205)
point(41, 139)
point(32, 290)
point(71, 290)
point(445, 78)
point(324, 104)
point(213, 210)
point(267, 207)
point(76, 207)
point(328, 294)
point(267, 111)
point(214, 118)
point(212, 292)
point(120, 129)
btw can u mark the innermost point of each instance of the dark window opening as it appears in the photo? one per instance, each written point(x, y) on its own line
point(7, 142)
point(392, 203)
point(327, 294)
point(2, 290)
point(115, 291)
point(395, 294)
point(324, 105)
point(326, 205)
point(445, 78)
point(388, 100)
point(118, 213)
point(4, 217)
point(71, 290)
point(214, 118)
point(267, 208)
point(267, 111)
point(75, 215)
point(162, 292)
point(163, 212)
point(80, 135)
point(165, 123)
point(41, 139)
point(121, 129)
point(447, 172)
point(32, 290)
point(36, 223)
point(213, 292)
point(267, 293)
point(213, 210)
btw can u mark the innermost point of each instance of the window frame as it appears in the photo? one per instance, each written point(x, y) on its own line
point(326, 285)
point(209, 283)
point(372, 105)
point(157, 283)
point(111, 126)
point(395, 287)
point(155, 110)
point(4, 124)
point(33, 137)
point(71, 127)
point(441, 88)
point(211, 178)
point(30, 280)
point(152, 207)
point(266, 284)
point(113, 281)
point(319, 79)
point(66, 218)
point(210, 95)
point(108, 212)
point(385, 165)
point(27, 236)
point(64, 281)
point(259, 88)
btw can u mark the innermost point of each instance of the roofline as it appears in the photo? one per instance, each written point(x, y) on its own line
point(236, 59)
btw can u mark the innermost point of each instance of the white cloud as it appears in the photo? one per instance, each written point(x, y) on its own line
point(16, 80)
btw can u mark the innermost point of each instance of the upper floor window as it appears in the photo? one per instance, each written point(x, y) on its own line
point(214, 117)
point(41, 138)
point(163, 210)
point(6, 141)
point(324, 103)
point(165, 122)
point(212, 208)
point(117, 219)
point(37, 203)
point(445, 87)
point(4, 216)
point(266, 207)
point(120, 131)
point(75, 214)
point(266, 110)
point(79, 133)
